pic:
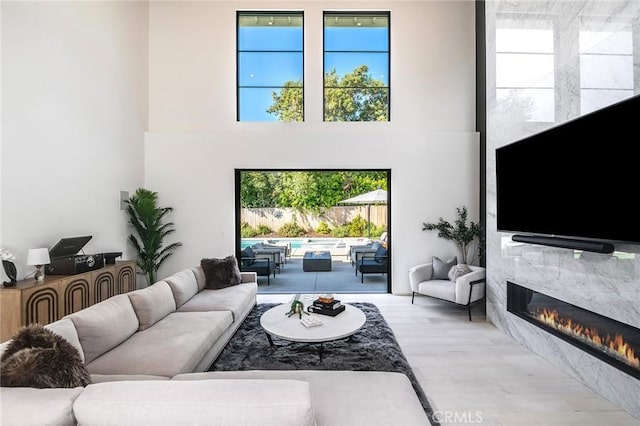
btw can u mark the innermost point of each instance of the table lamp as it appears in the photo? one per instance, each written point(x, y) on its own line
point(38, 257)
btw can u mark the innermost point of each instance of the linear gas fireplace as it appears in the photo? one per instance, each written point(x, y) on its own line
point(614, 342)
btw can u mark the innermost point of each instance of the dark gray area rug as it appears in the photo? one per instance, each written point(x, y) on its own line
point(372, 348)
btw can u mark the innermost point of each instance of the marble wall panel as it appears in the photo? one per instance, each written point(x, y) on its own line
point(609, 285)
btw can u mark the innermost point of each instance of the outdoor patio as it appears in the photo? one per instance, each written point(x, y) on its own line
point(341, 279)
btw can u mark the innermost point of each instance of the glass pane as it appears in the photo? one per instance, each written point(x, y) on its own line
point(606, 42)
point(269, 68)
point(591, 100)
point(264, 32)
point(524, 40)
point(351, 37)
point(524, 70)
point(606, 72)
point(356, 104)
point(255, 102)
point(526, 104)
point(343, 63)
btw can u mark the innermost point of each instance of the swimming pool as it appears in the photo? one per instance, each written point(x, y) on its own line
point(311, 243)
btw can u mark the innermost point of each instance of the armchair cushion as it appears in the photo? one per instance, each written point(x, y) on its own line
point(441, 268)
point(458, 270)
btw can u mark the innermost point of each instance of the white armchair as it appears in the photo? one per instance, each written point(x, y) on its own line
point(467, 289)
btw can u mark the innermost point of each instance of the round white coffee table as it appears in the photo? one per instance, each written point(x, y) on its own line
point(276, 323)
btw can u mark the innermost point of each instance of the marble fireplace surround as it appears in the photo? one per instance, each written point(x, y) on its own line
point(605, 284)
point(614, 342)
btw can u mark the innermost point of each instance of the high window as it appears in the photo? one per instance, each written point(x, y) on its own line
point(270, 66)
point(525, 80)
point(356, 66)
point(606, 67)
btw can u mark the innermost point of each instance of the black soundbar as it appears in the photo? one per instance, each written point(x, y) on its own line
point(568, 243)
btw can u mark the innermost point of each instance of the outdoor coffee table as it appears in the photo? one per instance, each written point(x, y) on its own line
point(276, 323)
point(314, 261)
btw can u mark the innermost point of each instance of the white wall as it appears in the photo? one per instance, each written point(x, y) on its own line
point(74, 112)
point(194, 143)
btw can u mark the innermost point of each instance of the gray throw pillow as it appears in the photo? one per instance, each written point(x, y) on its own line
point(221, 273)
point(441, 268)
point(458, 270)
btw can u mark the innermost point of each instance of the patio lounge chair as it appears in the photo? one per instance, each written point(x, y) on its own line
point(275, 253)
point(264, 267)
point(376, 264)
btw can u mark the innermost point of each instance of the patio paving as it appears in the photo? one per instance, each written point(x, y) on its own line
point(341, 279)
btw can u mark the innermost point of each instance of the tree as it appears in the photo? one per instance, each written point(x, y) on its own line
point(461, 234)
point(356, 96)
point(146, 218)
point(310, 190)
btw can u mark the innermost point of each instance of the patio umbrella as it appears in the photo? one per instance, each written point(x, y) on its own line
point(379, 196)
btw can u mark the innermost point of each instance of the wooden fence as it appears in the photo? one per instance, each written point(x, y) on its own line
point(274, 218)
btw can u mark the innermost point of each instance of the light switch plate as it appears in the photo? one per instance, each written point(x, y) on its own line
point(124, 196)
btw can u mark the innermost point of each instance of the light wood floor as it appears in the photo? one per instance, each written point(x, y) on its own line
point(475, 374)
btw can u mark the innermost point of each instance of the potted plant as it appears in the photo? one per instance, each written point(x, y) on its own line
point(463, 235)
point(146, 218)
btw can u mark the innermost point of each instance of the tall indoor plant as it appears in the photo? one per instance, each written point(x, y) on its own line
point(463, 235)
point(146, 218)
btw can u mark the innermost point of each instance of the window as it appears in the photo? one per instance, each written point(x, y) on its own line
point(606, 68)
point(525, 71)
point(270, 66)
point(356, 66)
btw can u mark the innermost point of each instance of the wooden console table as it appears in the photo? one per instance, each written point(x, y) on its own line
point(59, 295)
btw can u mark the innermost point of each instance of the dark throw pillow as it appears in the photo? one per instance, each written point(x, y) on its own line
point(441, 268)
point(221, 273)
point(248, 257)
point(38, 358)
point(381, 255)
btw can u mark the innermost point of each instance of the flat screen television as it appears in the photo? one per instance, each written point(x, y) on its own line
point(575, 182)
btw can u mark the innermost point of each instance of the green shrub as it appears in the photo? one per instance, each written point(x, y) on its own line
point(323, 228)
point(358, 227)
point(247, 231)
point(291, 229)
point(340, 231)
point(263, 230)
point(377, 230)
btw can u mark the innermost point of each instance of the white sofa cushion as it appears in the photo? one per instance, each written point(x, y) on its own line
point(65, 329)
point(236, 299)
point(37, 407)
point(104, 325)
point(174, 345)
point(183, 285)
point(198, 272)
point(207, 402)
point(152, 304)
point(345, 398)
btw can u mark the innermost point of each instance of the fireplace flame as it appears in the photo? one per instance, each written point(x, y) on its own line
point(614, 346)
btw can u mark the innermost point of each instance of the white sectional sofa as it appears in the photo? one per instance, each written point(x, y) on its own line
point(148, 350)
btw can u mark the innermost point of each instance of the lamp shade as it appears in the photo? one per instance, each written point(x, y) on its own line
point(38, 256)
